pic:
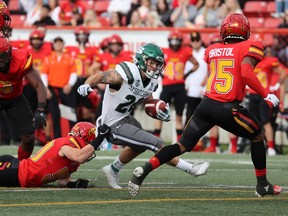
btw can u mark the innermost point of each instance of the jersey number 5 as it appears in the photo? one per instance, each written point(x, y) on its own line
point(220, 78)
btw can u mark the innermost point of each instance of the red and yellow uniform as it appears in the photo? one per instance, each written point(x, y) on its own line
point(108, 61)
point(175, 64)
point(11, 83)
point(40, 55)
point(46, 165)
point(83, 59)
point(264, 72)
point(58, 69)
point(226, 82)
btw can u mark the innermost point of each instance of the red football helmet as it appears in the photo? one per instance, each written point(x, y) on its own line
point(235, 26)
point(82, 34)
point(5, 54)
point(5, 19)
point(175, 40)
point(36, 34)
point(84, 132)
point(81, 30)
point(115, 39)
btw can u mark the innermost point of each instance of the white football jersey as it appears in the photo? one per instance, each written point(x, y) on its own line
point(119, 104)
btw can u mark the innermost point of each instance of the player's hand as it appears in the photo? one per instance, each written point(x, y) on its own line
point(164, 116)
point(84, 89)
point(39, 119)
point(275, 87)
point(79, 183)
point(271, 100)
point(103, 131)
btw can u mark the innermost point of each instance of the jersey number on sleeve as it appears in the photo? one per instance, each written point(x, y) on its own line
point(220, 78)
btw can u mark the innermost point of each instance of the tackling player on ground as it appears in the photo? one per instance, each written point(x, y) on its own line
point(231, 67)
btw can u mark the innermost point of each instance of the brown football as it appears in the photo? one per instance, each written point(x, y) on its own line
point(152, 107)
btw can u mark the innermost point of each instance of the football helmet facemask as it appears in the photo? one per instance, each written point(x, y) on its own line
point(175, 40)
point(5, 55)
point(84, 132)
point(150, 52)
point(36, 34)
point(235, 26)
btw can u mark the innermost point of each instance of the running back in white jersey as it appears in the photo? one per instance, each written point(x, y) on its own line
point(118, 105)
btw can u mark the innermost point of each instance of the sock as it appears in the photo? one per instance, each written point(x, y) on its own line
point(213, 142)
point(183, 165)
point(271, 144)
point(179, 133)
point(234, 142)
point(164, 155)
point(117, 165)
point(157, 133)
point(258, 155)
point(23, 154)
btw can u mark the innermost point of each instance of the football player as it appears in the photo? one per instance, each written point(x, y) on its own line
point(231, 65)
point(128, 85)
point(173, 81)
point(55, 161)
point(15, 64)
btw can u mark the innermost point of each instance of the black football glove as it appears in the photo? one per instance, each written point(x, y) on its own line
point(39, 119)
point(103, 132)
point(79, 183)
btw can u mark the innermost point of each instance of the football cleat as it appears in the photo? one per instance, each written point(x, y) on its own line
point(198, 169)
point(136, 181)
point(271, 152)
point(111, 176)
point(270, 189)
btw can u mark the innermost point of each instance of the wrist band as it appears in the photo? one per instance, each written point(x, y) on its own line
point(41, 105)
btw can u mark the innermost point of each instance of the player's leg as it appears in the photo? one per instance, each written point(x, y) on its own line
point(21, 117)
point(193, 131)
point(243, 123)
point(9, 171)
point(179, 96)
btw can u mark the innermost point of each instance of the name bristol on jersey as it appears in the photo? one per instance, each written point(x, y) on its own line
point(221, 52)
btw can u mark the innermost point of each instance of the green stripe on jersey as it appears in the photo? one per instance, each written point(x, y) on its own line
point(127, 72)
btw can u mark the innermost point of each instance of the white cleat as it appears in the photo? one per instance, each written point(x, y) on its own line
point(112, 177)
point(135, 182)
point(198, 169)
point(271, 152)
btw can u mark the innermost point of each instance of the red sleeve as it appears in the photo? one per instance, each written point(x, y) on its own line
point(251, 80)
point(256, 50)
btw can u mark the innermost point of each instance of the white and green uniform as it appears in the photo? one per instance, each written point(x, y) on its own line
point(118, 105)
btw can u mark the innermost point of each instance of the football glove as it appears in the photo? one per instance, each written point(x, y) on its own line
point(79, 183)
point(103, 132)
point(271, 100)
point(84, 89)
point(164, 116)
point(39, 119)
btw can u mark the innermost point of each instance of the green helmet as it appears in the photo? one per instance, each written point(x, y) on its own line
point(150, 51)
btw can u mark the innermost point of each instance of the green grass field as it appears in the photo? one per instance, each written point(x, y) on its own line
point(227, 189)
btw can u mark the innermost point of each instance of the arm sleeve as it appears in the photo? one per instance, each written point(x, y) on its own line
point(251, 80)
point(72, 79)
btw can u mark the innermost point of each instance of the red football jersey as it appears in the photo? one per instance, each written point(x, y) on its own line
point(175, 64)
point(11, 83)
point(225, 81)
point(109, 62)
point(39, 55)
point(46, 165)
point(83, 59)
point(264, 71)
